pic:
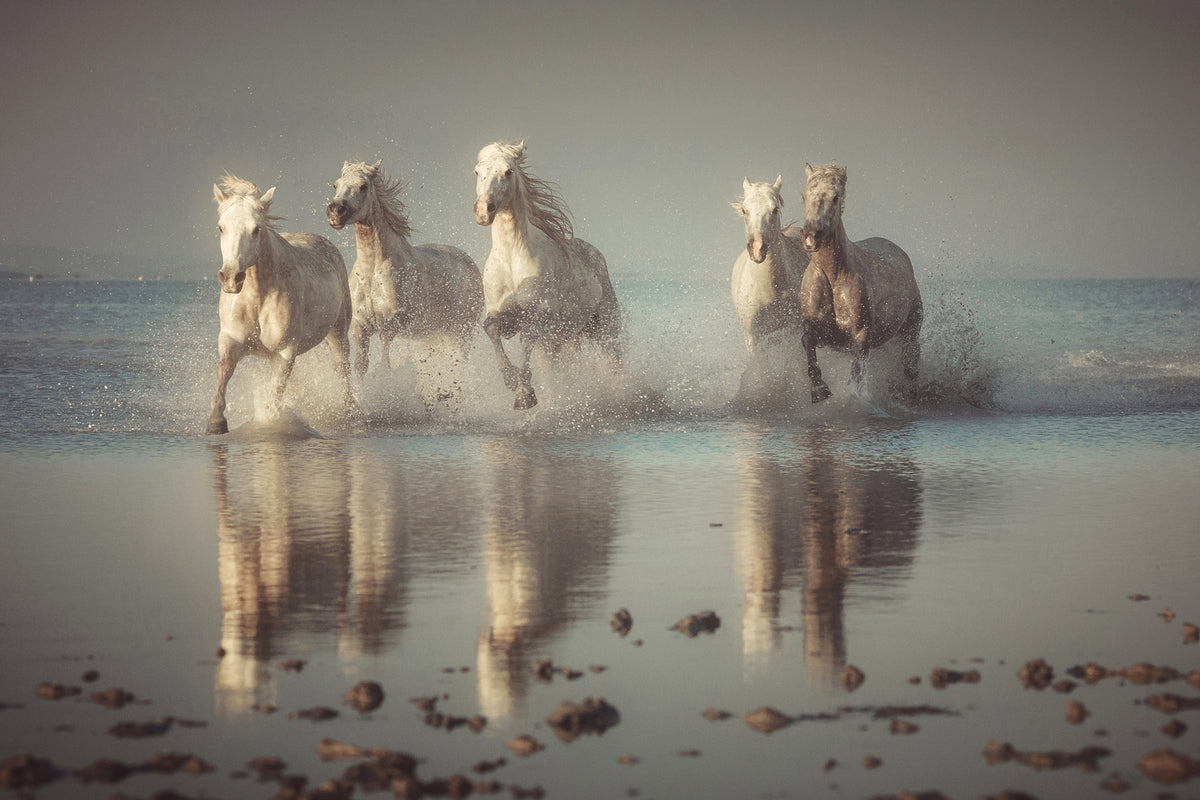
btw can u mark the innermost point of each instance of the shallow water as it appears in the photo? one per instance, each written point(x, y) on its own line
point(445, 555)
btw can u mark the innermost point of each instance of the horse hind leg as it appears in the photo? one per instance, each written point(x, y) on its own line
point(820, 389)
point(911, 340)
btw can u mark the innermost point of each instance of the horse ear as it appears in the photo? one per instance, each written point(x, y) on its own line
point(808, 170)
point(739, 208)
point(779, 183)
point(745, 184)
point(377, 164)
point(267, 196)
point(218, 195)
point(521, 146)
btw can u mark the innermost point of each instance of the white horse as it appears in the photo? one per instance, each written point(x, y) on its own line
point(281, 295)
point(539, 281)
point(856, 295)
point(767, 275)
point(431, 292)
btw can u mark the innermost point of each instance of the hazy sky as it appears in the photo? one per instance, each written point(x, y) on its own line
point(1040, 138)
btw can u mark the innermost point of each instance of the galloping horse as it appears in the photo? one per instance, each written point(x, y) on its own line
point(539, 281)
point(281, 295)
point(855, 295)
point(767, 274)
point(430, 292)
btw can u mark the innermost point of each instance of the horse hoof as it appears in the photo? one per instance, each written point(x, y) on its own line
point(821, 392)
point(525, 400)
point(216, 427)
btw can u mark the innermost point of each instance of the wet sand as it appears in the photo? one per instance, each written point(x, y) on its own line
point(951, 607)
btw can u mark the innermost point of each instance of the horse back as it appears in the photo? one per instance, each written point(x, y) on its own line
point(318, 286)
point(451, 279)
point(891, 284)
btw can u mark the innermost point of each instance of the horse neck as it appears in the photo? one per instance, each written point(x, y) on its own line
point(833, 256)
point(272, 250)
point(511, 228)
point(378, 242)
point(785, 253)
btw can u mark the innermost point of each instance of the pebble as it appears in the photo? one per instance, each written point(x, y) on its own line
point(1036, 674)
point(694, 624)
point(852, 677)
point(1167, 766)
point(622, 621)
point(524, 745)
point(365, 697)
point(593, 716)
point(767, 720)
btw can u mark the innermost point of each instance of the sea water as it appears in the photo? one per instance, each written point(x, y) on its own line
point(1046, 474)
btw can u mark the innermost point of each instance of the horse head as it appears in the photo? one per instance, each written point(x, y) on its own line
point(496, 178)
point(353, 194)
point(824, 199)
point(761, 207)
point(243, 217)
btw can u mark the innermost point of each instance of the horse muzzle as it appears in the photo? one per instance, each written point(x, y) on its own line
point(485, 212)
point(812, 240)
point(336, 214)
point(231, 280)
point(757, 250)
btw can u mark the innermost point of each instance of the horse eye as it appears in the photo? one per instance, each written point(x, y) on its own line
point(254, 231)
point(220, 229)
point(507, 173)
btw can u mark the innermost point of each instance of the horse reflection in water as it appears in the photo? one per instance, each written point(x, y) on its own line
point(299, 552)
point(550, 524)
point(815, 511)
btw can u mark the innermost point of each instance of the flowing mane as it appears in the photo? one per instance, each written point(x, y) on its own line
point(238, 188)
point(387, 193)
point(547, 210)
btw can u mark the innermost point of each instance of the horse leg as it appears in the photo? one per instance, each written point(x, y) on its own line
point(820, 389)
point(385, 346)
point(525, 396)
point(911, 339)
point(362, 349)
point(858, 362)
point(229, 353)
point(281, 369)
point(509, 372)
point(339, 347)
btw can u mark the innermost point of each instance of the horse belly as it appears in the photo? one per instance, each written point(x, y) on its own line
point(891, 286)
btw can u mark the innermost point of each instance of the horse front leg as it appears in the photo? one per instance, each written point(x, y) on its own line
point(281, 369)
point(820, 389)
point(362, 348)
point(385, 347)
point(229, 353)
point(509, 372)
point(525, 396)
point(858, 362)
point(339, 347)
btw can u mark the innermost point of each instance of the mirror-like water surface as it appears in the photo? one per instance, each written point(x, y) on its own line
point(234, 584)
